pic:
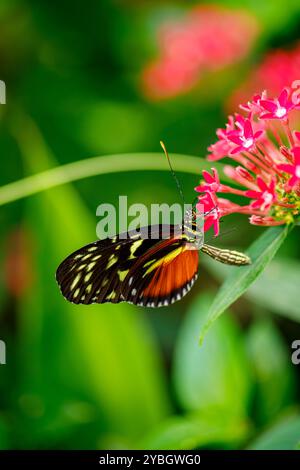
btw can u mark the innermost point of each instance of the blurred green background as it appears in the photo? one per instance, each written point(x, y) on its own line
point(118, 376)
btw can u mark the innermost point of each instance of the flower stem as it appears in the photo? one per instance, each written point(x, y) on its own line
point(289, 133)
point(37, 155)
point(92, 167)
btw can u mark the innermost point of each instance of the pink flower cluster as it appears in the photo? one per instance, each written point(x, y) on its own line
point(271, 73)
point(207, 39)
point(265, 163)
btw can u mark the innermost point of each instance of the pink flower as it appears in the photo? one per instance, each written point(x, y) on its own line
point(208, 207)
point(246, 138)
point(206, 39)
point(166, 78)
point(271, 74)
point(265, 153)
point(211, 184)
point(253, 105)
point(265, 197)
point(293, 169)
point(278, 108)
point(219, 150)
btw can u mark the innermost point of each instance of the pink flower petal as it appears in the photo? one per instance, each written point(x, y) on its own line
point(286, 168)
point(272, 186)
point(235, 139)
point(293, 181)
point(258, 134)
point(248, 132)
point(208, 177)
point(267, 116)
point(283, 97)
point(256, 204)
point(261, 184)
point(297, 135)
point(269, 105)
point(252, 194)
point(208, 223)
point(296, 152)
point(200, 188)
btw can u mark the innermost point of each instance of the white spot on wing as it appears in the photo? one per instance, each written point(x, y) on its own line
point(76, 292)
point(90, 266)
point(75, 282)
point(87, 277)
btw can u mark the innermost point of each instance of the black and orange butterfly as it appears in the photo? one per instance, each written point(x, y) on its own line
point(153, 268)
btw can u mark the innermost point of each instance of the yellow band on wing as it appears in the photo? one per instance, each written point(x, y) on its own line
point(165, 259)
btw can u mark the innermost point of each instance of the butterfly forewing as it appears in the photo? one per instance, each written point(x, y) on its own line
point(95, 272)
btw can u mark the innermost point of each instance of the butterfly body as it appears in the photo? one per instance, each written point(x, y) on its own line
point(153, 268)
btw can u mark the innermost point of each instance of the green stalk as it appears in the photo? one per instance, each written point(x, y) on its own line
point(32, 145)
point(92, 167)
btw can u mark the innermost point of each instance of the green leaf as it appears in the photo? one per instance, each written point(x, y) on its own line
point(214, 379)
point(238, 281)
point(193, 431)
point(281, 277)
point(284, 435)
point(3, 435)
point(272, 368)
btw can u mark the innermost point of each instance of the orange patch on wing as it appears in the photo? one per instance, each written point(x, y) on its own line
point(172, 275)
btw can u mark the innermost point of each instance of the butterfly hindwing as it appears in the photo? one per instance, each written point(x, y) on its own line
point(163, 275)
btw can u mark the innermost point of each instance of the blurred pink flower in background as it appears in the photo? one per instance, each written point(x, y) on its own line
point(207, 39)
point(272, 73)
point(18, 272)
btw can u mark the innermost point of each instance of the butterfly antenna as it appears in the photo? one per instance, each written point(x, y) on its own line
point(172, 171)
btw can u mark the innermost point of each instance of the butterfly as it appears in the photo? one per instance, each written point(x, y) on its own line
point(153, 267)
point(144, 268)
